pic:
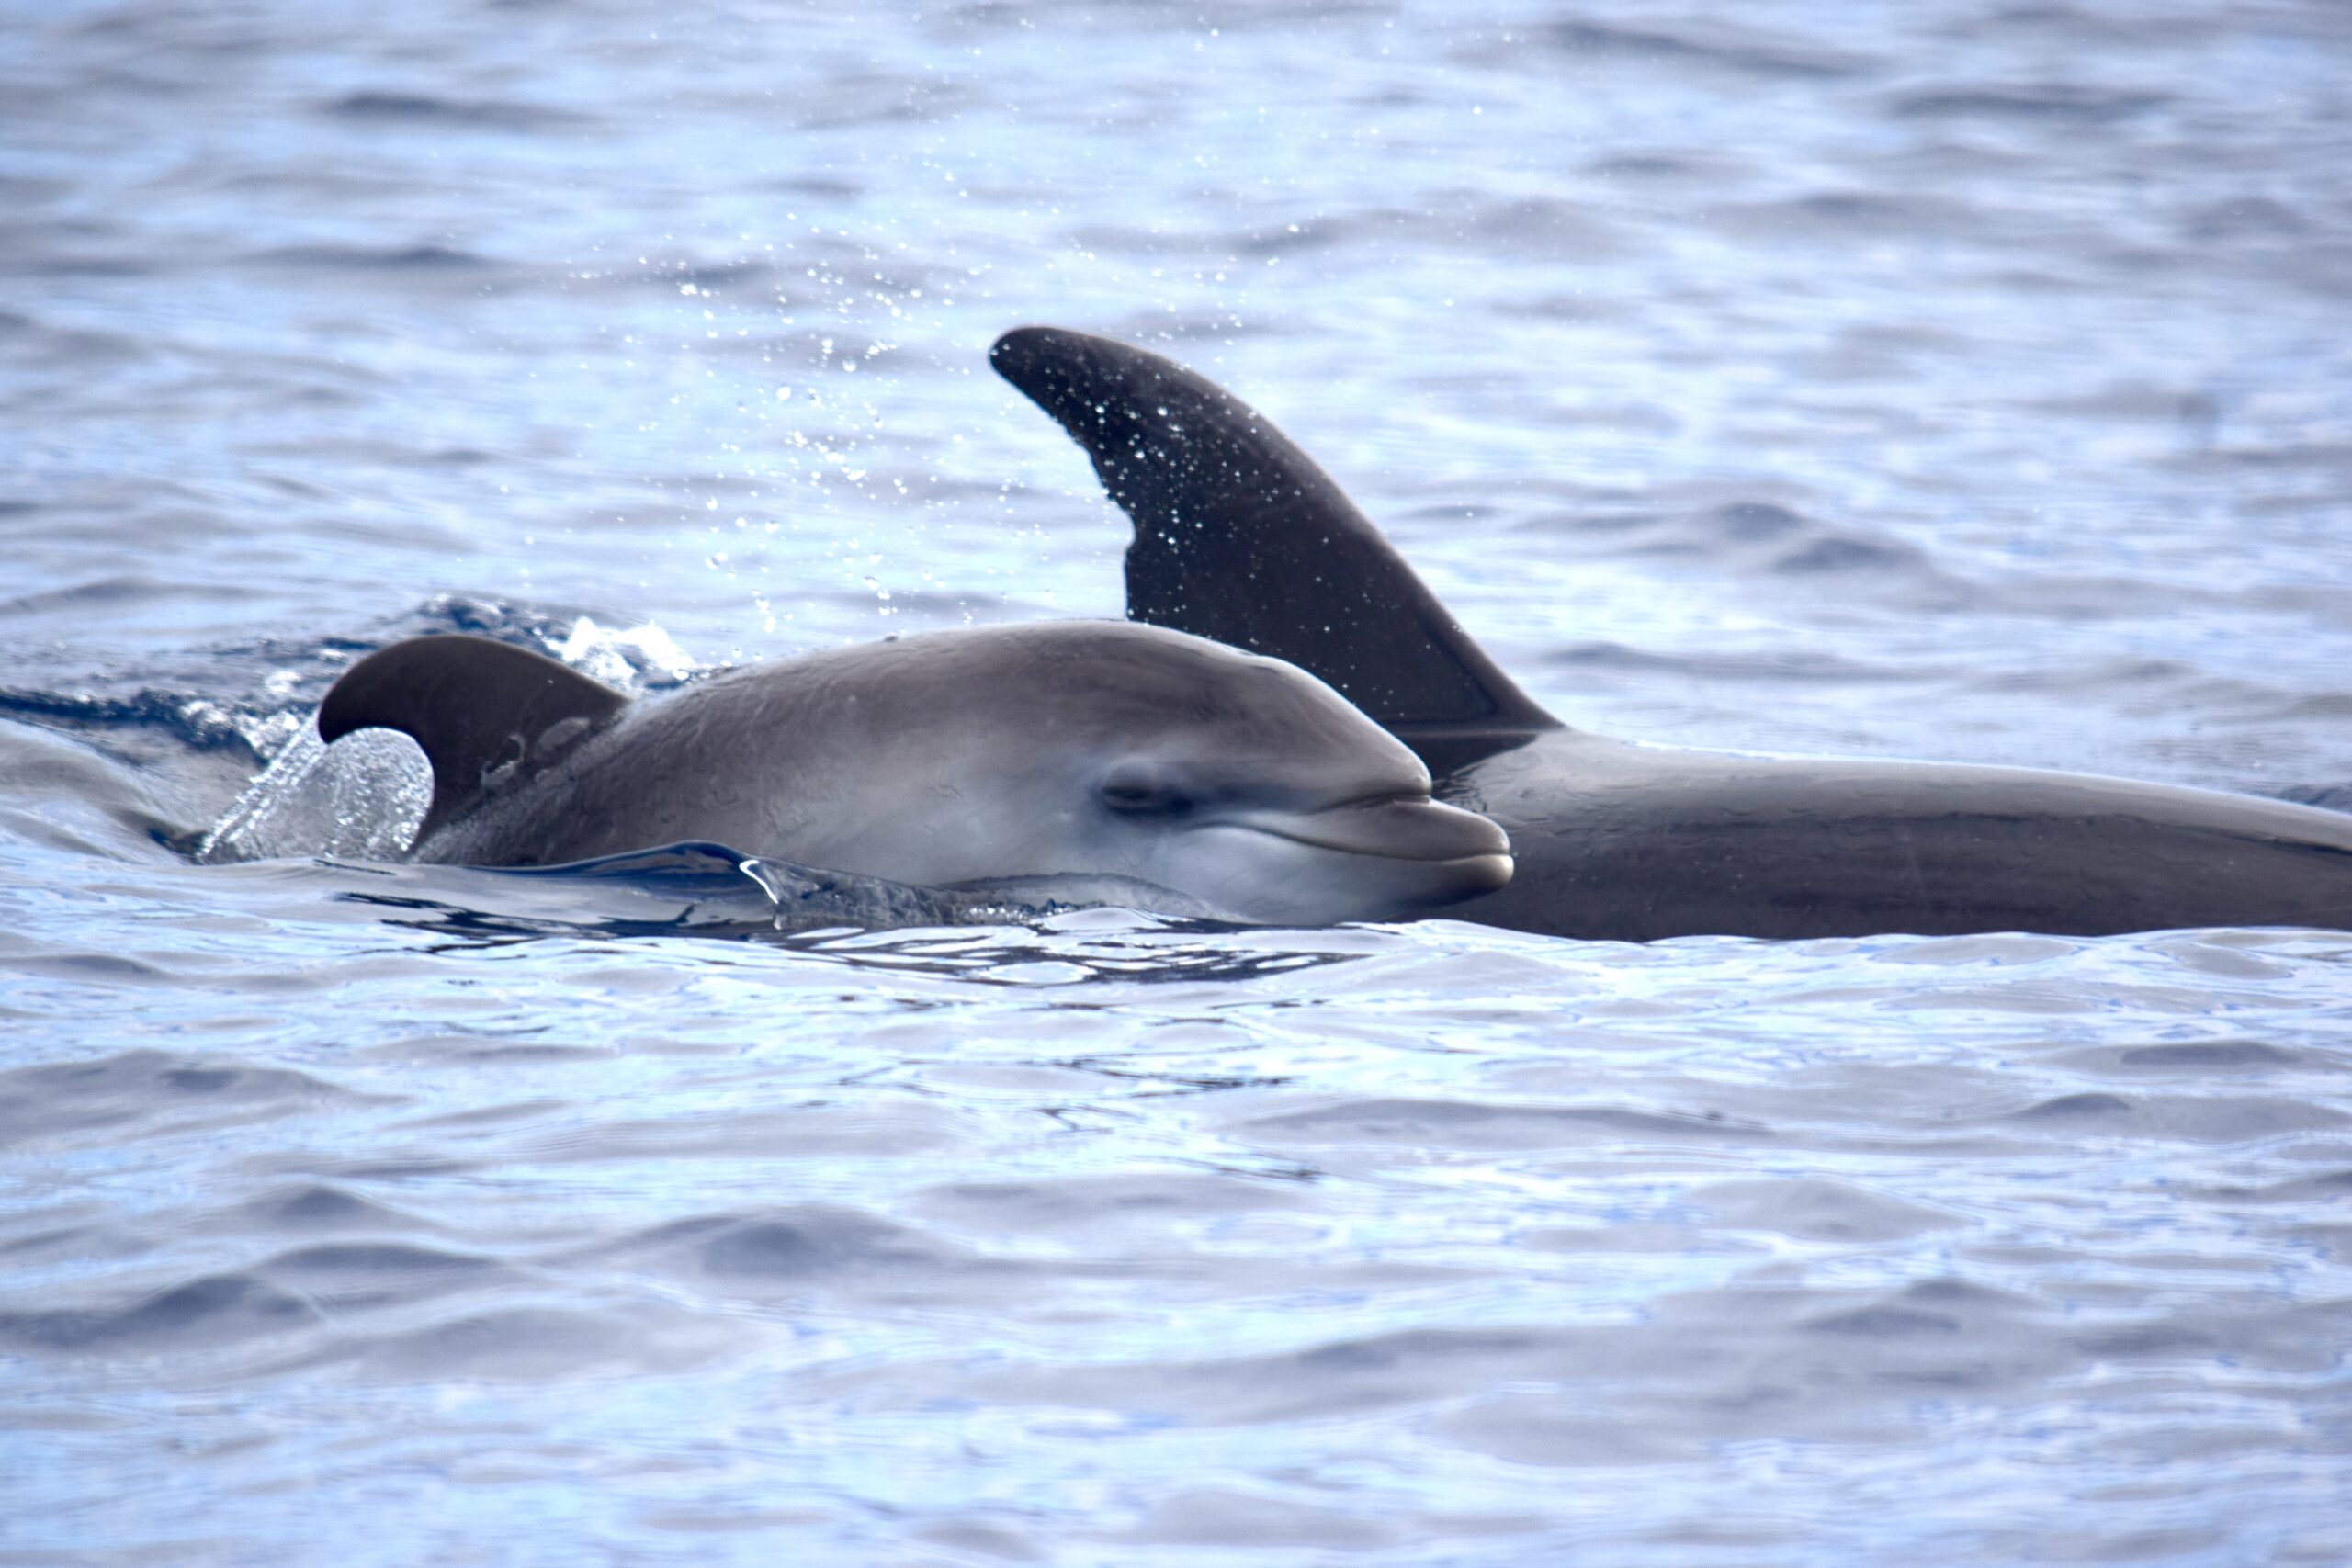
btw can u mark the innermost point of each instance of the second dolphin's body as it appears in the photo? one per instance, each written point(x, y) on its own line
point(1240, 536)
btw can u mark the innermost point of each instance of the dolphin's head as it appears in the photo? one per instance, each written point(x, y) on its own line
point(1239, 781)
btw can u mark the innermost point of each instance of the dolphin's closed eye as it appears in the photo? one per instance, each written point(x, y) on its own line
point(1136, 792)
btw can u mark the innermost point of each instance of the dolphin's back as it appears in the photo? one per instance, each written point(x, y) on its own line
point(1626, 842)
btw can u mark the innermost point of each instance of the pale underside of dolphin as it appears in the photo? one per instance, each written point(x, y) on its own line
point(1240, 536)
point(1099, 749)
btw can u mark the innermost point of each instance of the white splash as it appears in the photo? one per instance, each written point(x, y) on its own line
point(618, 656)
point(364, 798)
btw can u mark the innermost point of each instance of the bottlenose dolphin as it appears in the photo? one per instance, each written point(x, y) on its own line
point(1247, 786)
point(1240, 536)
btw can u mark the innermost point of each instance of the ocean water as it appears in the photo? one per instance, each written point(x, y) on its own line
point(1961, 379)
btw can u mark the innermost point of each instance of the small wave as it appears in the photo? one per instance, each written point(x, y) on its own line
point(1760, 538)
point(384, 106)
point(366, 1273)
point(426, 258)
point(108, 595)
point(2066, 101)
point(318, 1206)
point(543, 1343)
point(1784, 666)
point(1824, 215)
point(2205, 1056)
point(1717, 46)
point(1455, 1125)
point(1715, 167)
point(215, 1310)
point(58, 1100)
point(1846, 553)
point(794, 1247)
point(2245, 217)
point(2192, 1118)
point(80, 351)
point(1453, 218)
point(1817, 1209)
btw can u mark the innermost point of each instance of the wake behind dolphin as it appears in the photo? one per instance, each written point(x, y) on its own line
point(1247, 789)
point(1240, 537)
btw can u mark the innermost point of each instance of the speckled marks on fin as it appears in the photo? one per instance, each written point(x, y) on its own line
point(1241, 538)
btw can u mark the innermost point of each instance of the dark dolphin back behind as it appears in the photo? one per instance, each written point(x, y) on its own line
point(1631, 843)
point(1241, 538)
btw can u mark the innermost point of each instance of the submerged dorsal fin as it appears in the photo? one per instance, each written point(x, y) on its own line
point(485, 713)
point(1239, 537)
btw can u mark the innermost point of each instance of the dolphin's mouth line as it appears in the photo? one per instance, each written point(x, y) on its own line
point(1433, 856)
point(1371, 851)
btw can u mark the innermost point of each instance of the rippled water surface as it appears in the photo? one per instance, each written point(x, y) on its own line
point(1956, 380)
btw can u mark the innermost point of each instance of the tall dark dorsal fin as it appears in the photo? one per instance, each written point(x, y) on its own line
point(485, 712)
point(1239, 536)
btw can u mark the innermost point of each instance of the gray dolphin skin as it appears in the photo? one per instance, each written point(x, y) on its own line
point(1246, 786)
point(1240, 536)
